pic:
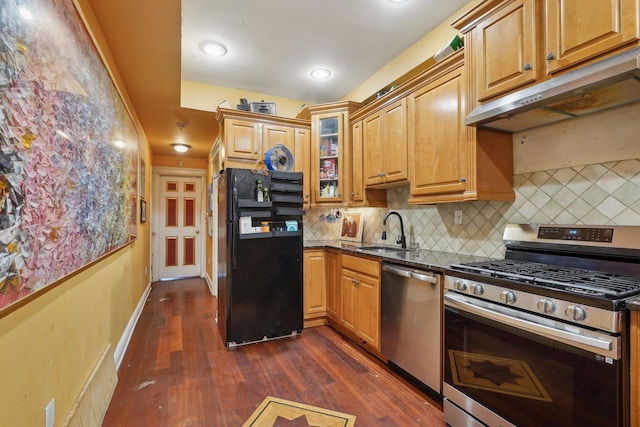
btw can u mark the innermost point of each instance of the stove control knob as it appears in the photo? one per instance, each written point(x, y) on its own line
point(477, 289)
point(508, 297)
point(575, 312)
point(459, 285)
point(545, 305)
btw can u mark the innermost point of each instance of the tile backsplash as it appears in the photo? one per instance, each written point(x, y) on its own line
point(597, 194)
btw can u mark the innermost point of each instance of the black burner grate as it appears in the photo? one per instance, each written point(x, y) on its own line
point(574, 280)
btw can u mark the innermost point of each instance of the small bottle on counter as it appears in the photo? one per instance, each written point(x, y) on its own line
point(265, 194)
point(259, 191)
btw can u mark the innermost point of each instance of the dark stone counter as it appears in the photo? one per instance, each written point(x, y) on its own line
point(423, 258)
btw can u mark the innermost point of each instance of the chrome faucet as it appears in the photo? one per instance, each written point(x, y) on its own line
point(402, 240)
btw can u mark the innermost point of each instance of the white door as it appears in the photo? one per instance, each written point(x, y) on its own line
point(178, 217)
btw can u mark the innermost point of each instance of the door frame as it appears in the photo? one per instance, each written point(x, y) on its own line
point(156, 173)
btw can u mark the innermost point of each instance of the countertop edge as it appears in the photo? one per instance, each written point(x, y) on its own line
point(421, 259)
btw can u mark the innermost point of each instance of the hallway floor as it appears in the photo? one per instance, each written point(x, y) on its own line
point(177, 372)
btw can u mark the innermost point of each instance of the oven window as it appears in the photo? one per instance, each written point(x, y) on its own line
point(527, 379)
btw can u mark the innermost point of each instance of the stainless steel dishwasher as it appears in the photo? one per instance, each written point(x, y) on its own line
point(411, 325)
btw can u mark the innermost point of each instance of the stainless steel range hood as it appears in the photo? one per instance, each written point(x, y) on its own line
point(609, 83)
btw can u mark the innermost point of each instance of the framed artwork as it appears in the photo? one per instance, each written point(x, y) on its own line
point(69, 159)
point(143, 211)
point(352, 226)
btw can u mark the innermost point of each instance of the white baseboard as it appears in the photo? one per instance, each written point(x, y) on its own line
point(121, 348)
point(213, 289)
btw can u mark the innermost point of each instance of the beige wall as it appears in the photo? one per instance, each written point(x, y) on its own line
point(415, 55)
point(179, 161)
point(201, 96)
point(51, 344)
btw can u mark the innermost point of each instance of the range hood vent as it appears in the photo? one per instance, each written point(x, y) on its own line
point(612, 82)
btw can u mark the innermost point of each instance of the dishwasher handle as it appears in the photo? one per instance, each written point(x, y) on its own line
point(424, 277)
point(412, 274)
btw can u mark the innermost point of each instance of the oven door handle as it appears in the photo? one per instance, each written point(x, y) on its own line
point(607, 345)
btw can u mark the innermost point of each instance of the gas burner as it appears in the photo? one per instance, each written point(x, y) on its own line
point(573, 280)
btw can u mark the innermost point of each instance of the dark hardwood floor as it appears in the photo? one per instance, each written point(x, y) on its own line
point(176, 371)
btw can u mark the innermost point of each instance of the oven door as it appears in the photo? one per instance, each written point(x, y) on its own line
point(503, 365)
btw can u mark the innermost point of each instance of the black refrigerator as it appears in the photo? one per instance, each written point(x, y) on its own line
point(259, 256)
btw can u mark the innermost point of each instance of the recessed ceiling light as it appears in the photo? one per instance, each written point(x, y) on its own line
point(25, 13)
point(397, 1)
point(213, 48)
point(181, 148)
point(320, 73)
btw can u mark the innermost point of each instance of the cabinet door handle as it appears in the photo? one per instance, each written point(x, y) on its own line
point(463, 179)
point(527, 67)
point(550, 56)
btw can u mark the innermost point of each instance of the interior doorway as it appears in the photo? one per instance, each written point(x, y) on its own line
point(178, 223)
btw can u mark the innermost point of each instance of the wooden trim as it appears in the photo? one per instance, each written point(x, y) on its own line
point(470, 19)
point(315, 322)
point(419, 80)
point(227, 113)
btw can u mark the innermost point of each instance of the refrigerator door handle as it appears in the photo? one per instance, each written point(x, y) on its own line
point(234, 243)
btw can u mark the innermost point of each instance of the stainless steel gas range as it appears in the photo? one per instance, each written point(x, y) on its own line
point(540, 338)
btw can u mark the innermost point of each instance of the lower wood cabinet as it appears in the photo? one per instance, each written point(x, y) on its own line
point(635, 368)
point(314, 287)
point(345, 291)
point(360, 295)
point(333, 281)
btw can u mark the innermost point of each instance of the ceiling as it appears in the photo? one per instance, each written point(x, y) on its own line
point(272, 47)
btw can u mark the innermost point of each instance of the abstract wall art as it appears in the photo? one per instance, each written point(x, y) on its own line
point(68, 150)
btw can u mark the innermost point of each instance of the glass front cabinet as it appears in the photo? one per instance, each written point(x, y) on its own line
point(329, 166)
point(330, 153)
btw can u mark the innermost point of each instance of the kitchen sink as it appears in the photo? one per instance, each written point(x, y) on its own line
point(383, 249)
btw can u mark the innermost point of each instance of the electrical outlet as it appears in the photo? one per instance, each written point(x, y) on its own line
point(50, 414)
point(457, 216)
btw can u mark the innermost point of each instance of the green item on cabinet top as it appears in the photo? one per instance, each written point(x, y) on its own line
point(448, 49)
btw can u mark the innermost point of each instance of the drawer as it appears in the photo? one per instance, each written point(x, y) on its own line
point(361, 265)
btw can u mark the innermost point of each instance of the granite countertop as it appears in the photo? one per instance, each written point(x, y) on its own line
point(422, 258)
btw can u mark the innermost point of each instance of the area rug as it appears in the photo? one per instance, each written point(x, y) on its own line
point(275, 412)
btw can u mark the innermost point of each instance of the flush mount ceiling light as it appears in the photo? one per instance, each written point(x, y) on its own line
point(320, 73)
point(213, 48)
point(25, 13)
point(397, 1)
point(181, 148)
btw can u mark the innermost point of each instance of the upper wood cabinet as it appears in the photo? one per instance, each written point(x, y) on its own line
point(577, 31)
point(384, 141)
point(273, 134)
point(449, 161)
point(505, 54)
point(357, 161)
point(330, 153)
point(242, 140)
point(437, 142)
point(302, 142)
point(515, 43)
point(314, 286)
point(361, 196)
point(245, 138)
